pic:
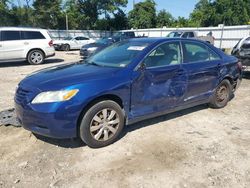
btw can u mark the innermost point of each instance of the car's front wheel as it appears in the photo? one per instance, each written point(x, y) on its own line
point(102, 124)
point(222, 95)
point(35, 57)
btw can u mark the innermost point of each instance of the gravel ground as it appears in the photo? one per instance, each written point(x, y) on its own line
point(196, 148)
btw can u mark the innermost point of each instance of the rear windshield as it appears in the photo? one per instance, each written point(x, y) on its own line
point(119, 54)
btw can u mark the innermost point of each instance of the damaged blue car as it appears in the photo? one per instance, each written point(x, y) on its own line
point(127, 82)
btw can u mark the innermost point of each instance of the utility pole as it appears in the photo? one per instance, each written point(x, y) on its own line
point(67, 24)
point(133, 4)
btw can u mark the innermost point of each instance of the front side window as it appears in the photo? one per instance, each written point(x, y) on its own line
point(196, 52)
point(32, 35)
point(10, 35)
point(164, 55)
point(119, 54)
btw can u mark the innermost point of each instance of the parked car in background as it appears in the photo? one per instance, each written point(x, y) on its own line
point(72, 43)
point(123, 35)
point(242, 51)
point(129, 81)
point(191, 34)
point(18, 44)
point(92, 48)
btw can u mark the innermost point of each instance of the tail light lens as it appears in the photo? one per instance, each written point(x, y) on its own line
point(51, 43)
point(239, 64)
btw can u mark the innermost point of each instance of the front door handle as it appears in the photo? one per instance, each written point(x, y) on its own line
point(180, 72)
point(1, 45)
point(26, 43)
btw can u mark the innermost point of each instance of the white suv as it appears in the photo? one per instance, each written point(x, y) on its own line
point(17, 44)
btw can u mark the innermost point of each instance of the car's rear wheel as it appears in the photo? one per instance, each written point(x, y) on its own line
point(102, 124)
point(35, 57)
point(65, 47)
point(221, 95)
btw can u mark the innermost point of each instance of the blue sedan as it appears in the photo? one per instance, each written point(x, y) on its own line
point(125, 83)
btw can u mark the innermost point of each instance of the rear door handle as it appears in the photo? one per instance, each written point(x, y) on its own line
point(1, 45)
point(26, 43)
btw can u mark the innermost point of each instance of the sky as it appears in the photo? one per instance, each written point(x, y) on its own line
point(176, 7)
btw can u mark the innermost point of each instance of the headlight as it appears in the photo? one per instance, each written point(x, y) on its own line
point(54, 96)
point(92, 49)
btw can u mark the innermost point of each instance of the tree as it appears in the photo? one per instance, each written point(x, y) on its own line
point(164, 18)
point(48, 14)
point(143, 15)
point(4, 13)
point(212, 13)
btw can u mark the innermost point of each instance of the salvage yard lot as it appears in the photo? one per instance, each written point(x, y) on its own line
point(196, 148)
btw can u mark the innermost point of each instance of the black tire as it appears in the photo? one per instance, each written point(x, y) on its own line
point(222, 95)
point(35, 57)
point(66, 47)
point(88, 122)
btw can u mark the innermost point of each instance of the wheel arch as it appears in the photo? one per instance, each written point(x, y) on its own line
point(229, 78)
point(35, 49)
point(94, 101)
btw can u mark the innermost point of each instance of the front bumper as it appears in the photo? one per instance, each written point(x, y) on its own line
point(84, 53)
point(56, 120)
point(57, 46)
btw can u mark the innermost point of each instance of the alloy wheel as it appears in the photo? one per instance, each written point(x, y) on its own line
point(36, 57)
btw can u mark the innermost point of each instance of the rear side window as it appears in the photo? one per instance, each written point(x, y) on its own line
point(196, 52)
point(10, 35)
point(31, 35)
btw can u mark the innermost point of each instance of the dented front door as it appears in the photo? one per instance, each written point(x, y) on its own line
point(161, 85)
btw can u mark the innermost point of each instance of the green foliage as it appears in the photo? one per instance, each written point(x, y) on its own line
point(48, 13)
point(143, 15)
point(109, 15)
point(212, 13)
point(164, 18)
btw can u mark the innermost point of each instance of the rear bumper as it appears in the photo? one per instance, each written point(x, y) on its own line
point(51, 55)
point(49, 52)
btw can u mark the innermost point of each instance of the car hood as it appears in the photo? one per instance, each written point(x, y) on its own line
point(58, 77)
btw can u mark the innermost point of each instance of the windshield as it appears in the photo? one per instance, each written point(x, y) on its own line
point(174, 34)
point(67, 38)
point(119, 54)
point(103, 41)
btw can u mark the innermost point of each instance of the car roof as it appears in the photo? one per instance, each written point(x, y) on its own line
point(21, 28)
point(162, 39)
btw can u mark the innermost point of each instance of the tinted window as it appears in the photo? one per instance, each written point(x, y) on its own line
point(185, 35)
point(10, 35)
point(32, 35)
point(119, 54)
point(191, 34)
point(196, 52)
point(165, 54)
point(83, 38)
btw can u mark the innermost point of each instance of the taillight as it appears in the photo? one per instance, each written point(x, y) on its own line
point(239, 64)
point(51, 43)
